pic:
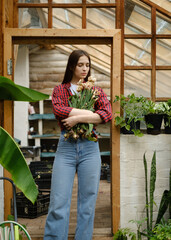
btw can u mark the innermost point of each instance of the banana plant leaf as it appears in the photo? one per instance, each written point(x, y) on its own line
point(12, 159)
point(11, 91)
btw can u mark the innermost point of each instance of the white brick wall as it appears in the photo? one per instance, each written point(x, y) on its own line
point(132, 173)
point(1, 196)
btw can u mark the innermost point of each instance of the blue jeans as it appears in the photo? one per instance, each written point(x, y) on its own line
point(82, 156)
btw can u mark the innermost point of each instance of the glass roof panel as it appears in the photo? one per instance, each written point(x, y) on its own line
point(163, 3)
point(137, 17)
point(163, 52)
point(101, 18)
point(163, 83)
point(32, 18)
point(138, 52)
point(163, 24)
point(138, 82)
point(67, 18)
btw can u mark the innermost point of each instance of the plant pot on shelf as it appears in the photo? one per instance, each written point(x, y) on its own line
point(155, 120)
point(167, 128)
point(133, 125)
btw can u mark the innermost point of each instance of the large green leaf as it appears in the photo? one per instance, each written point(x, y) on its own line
point(11, 91)
point(12, 159)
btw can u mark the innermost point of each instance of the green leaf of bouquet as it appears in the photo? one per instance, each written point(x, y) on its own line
point(12, 159)
point(11, 91)
point(90, 138)
point(90, 128)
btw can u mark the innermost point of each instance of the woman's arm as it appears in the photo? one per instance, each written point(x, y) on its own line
point(88, 118)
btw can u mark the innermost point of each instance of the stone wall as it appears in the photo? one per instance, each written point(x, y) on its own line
point(132, 190)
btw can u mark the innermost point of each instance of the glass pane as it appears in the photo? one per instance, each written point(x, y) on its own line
point(138, 82)
point(67, 1)
point(101, 1)
point(163, 3)
point(33, 18)
point(67, 18)
point(137, 17)
point(101, 18)
point(138, 52)
point(163, 83)
point(33, 1)
point(163, 24)
point(163, 52)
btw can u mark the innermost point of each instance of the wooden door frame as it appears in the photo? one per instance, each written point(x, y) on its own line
point(75, 36)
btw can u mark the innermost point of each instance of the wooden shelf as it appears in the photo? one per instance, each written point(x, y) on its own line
point(45, 116)
point(42, 136)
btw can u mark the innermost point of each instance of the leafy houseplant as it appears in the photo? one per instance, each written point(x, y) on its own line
point(162, 231)
point(154, 113)
point(11, 157)
point(167, 116)
point(133, 113)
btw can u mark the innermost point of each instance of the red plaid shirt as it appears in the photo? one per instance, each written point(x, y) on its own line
point(62, 109)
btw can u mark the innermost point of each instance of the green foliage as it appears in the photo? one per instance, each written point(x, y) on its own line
point(12, 159)
point(164, 203)
point(11, 91)
point(151, 107)
point(162, 231)
point(133, 112)
point(135, 108)
point(167, 112)
point(124, 234)
point(152, 187)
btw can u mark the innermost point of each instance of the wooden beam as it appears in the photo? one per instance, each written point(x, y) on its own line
point(50, 14)
point(9, 13)
point(84, 23)
point(66, 5)
point(122, 24)
point(62, 33)
point(1, 38)
point(104, 37)
point(15, 14)
point(153, 54)
point(157, 7)
point(138, 67)
point(8, 123)
point(115, 132)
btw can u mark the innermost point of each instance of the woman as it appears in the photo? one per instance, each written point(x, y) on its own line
point(79, 155)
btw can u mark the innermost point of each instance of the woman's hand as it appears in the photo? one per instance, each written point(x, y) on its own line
point(69, 122)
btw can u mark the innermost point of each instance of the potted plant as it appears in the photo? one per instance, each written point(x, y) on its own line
point(133, 113)
point(167, 116)
point(154, 113)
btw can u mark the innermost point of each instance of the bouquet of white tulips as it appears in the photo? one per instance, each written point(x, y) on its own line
point(84, 99)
